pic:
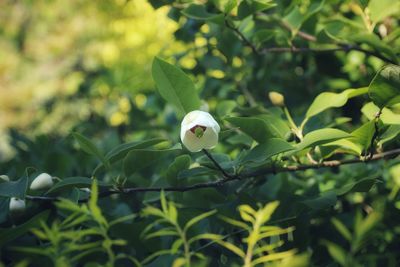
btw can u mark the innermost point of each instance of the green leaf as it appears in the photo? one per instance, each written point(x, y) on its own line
point(175, 86)
point(89, 147)
point(387, 115)
point(297, 17)
point(138, 159)
point(368, 223)
point(390, 134)
point(264, 35)
point(324, 201)
point(74, 182)
point(320, 137)
point(268, 149)
point(162, 232)
point(255, 127)
point(4, 207)
point(373, 41)
point(384, 89)
point(363, 135)
point(342, 229)
point(336, 252)
point(9, 234)
point(119, 152)
point(195, 172)
point(180, 163)
point(381, 9)
point(199, 12)
point(276, 124)
point(262, 5)
point(328, 100)
point(14, 188)
point(274, 257)
point(198, 218)
point(363, 185)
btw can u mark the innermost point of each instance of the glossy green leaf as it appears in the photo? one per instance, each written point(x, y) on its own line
point(390, 134)
point(7, 234)
point(268, 149)
point(139, 159)
point(363, 185)
point(320, 137)
point(119, 152)
point(328, 100)
point(180, 163)
point(195, 172)
point(326, 200)
point(387, 115)
point(14, 188)
point(89, 147)
point(384, 89)
point(4, 207)
point(175, 86)
point(363, 135)
point(199, 12)
point(75, 182)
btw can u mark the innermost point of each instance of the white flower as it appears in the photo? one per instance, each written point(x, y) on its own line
point(17, 205)
point(199, 130)
point(42, 181)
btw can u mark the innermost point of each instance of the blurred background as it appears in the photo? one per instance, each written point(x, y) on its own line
point(68, 62)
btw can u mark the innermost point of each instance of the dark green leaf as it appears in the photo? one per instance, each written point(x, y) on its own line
point(180, 163)
point(119, 152)
point(199, 12)
point(90, 148)
point(74, 182)
point(14, 188)
point(138, 159)
point(326, 200)
point(7, 234)
point(363, 185)
point(268, 149)
point(384, 89)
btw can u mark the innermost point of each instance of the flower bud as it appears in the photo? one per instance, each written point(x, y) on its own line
point(199, 130)
point(42, 181)
point(17, 205)
point(4, 178)
point(276, 99)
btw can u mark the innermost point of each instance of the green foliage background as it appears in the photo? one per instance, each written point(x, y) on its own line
point(93, 92)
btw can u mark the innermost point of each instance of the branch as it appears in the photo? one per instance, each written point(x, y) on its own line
point(229, 178)
point(216, 164)
point(340, 47)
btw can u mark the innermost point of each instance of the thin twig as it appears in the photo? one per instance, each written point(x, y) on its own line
point(216, 164)
point(230, 178)
point(242, 37)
